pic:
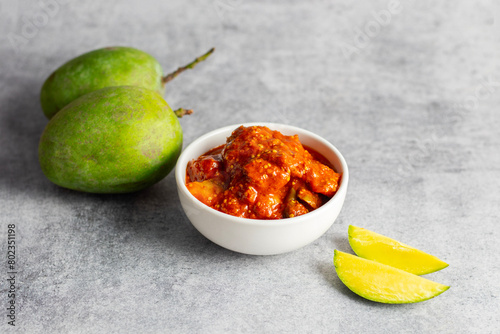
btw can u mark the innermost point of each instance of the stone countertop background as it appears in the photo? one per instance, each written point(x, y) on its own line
point(412, 105)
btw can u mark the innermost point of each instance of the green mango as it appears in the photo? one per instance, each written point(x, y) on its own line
point(112, 140)
point(112, 66)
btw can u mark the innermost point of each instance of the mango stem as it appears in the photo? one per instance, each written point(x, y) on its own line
point(181, 112)
point(171, 76)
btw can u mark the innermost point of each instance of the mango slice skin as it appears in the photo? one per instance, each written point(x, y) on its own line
point(113, 140)
point(379, 248)
point(112, 66)
point(382, 283)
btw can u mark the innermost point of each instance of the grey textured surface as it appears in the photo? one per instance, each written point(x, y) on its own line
point(414, 111)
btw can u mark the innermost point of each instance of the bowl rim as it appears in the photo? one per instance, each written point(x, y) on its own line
point(181, 186)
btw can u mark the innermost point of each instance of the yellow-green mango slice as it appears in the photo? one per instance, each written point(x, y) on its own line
point(379, 248)
point(382, 283)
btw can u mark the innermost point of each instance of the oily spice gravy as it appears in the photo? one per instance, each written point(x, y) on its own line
point(262, 174)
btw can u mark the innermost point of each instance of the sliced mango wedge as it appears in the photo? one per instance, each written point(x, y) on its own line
point(382, 283)
point(379, 248)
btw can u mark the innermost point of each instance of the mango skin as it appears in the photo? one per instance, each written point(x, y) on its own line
point(113, 140)
point(112, 66)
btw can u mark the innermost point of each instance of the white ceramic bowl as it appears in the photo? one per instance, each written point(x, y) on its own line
point(254, 236)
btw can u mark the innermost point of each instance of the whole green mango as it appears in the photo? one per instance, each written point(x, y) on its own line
point(107, 67)
point(113, 140)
